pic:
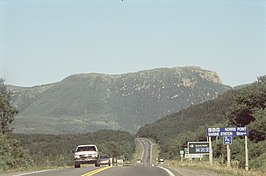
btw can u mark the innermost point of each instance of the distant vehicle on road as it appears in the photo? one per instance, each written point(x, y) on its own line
point(161, 161)
point(105, 160)
point(86, 154)
point(119, 162)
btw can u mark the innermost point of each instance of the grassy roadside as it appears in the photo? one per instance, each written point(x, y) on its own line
point(155, 152)
point(137, 153)
point(222, 169)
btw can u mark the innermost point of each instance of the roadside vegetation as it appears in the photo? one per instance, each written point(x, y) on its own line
point(137, 153)
point(11, 153)
point(52, 151)
point(216, 167)
point(155, 153)
point(58, 150)
point(244, 107)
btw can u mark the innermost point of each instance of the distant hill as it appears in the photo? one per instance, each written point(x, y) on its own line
point(25, 96)
point(241, 86)
point(190, 119)
point(89, 102)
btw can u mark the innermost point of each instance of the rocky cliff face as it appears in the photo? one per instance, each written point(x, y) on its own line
point(89, 102)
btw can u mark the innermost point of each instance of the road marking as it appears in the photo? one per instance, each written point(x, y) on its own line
point(96, 171)
point(142, 145)
point(35, 172)
point(146, 151)
point(167, 170)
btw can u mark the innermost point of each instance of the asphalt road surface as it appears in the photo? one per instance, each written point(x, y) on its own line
point(102, 171)
point(145, 168)
point(146, 156)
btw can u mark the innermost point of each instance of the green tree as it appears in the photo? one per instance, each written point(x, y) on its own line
point(7, 111)
point(249, 100)
point(12, 155)
point(257, 128)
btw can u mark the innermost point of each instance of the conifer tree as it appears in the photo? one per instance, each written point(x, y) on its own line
point(7, 111)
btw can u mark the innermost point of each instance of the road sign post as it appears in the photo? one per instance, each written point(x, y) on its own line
point(182, 152)
point(227, 133)
point(246, 151)
point(210, 151)
point(227, 140)
point(228, 156)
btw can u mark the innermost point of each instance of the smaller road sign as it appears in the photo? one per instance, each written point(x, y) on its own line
point(198, 147)
point(227, 140)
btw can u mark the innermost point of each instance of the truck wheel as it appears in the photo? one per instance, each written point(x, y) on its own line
point(77, 165)
point(97, 165)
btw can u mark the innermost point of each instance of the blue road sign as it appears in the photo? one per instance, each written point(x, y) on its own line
point(227, 140)
point(229, 131)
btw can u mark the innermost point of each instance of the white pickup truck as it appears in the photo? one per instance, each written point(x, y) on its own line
point(86, 154)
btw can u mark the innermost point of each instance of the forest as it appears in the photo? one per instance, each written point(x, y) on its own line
point(243, 107)
point(45, 150)
point(58, 150)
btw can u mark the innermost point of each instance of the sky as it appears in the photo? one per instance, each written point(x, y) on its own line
point(44, 41)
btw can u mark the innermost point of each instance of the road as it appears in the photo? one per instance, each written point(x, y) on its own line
point(146, 156)
point(145, 168)
point(92, 171)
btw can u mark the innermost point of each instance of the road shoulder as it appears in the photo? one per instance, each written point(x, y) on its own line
point(181, 171)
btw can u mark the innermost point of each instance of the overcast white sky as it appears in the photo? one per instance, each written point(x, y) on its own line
point(44, 41)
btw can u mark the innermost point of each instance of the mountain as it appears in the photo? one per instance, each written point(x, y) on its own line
point(25, 96)
point(190, 119)
point(89, 102)
point(241, 86)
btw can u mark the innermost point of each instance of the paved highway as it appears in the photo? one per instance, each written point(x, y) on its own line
point(133, 171)
point(146, 156)
point(102, 171)
point(146, 167)
point(60, 172)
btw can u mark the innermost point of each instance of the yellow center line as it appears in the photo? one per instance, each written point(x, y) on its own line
point(96, 171)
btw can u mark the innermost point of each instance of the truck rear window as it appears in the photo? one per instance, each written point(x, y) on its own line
point(86, 148)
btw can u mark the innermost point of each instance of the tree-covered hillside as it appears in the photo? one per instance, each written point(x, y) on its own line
point(88, 102)
point(58, 150)
point(244, 107)
point(190, 119)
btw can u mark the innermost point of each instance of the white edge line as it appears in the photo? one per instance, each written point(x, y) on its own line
point(142, 146)
point(167, 170)
point(35, 172)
